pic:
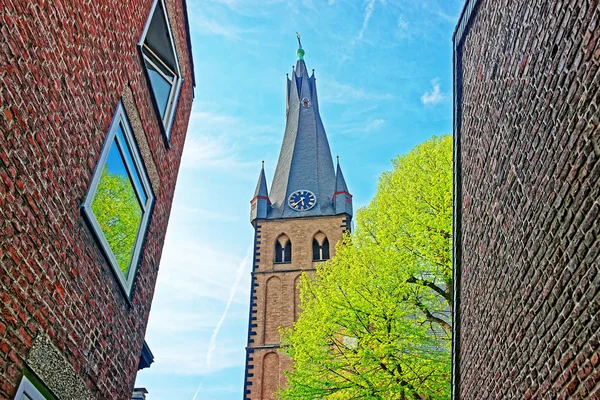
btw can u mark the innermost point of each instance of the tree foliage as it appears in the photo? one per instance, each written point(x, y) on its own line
point(119, 214)
point(376, 318)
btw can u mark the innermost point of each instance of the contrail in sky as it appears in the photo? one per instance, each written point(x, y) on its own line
point(197, 391)
point(239, 273)
point(368, 12)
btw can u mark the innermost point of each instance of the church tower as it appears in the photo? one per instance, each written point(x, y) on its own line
point(296, 226)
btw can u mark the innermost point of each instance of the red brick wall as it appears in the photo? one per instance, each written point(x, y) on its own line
point(63, 67)
point(530, 145)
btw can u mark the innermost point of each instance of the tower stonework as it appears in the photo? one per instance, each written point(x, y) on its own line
point(296, 226)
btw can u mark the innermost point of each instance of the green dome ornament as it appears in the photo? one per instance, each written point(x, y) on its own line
point(300, 51)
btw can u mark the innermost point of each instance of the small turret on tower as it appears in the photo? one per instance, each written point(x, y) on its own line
point(260, 203)
point(342, 199)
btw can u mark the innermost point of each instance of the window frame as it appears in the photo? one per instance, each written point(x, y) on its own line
point(27, 388)
point(321, 248)
point(166, 123)
point(284, 253)
point(120, 119)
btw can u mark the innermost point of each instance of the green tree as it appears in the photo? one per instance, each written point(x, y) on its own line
point(376, 318)
point(119, 214)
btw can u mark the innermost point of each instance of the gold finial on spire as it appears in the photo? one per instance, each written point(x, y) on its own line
point(298, 36)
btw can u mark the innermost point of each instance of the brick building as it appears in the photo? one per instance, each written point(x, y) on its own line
point(95, 99)
point(296, 226)
point(527, 227)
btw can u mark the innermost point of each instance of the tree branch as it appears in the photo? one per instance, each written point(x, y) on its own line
point(446, 295)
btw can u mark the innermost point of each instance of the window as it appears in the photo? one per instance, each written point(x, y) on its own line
point(162, 66)
point(320, 246)
point(283, 250)
point(119, 200)
point(28, 391)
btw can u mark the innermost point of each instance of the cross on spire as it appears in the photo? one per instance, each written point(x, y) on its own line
point(300, 51)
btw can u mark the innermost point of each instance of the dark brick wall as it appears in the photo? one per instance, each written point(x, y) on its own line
point(64, 65)
point(529, 129)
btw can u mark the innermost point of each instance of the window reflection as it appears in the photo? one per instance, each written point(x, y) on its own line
point(133, 173)
point(117, 207)
point(160, 86)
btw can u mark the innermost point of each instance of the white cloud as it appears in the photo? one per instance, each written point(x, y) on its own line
point(336, 92)
point(433, 97)
point(402, 26)
point(205, 117)
point(374, 125)
point(216, 124)
point(206, 152)
point(358, 128)
point(214, 138)
point(176, 357)
point(249, 8)
point(201, 289)
point(212, 143)
point(192, 270)
point(206, 214)
point(216, 28)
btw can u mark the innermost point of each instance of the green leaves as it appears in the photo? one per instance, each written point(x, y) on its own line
point(119, 215)
point(376, 318)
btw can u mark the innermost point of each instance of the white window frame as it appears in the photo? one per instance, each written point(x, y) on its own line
point(120, 118)
point(26, 388)
point(167, 120)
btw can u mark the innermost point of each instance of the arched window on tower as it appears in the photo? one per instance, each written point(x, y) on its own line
point(283, 250)
point(320, 247)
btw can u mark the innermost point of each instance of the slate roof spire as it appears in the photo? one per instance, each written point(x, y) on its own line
point(260, 203)
point(305, 161)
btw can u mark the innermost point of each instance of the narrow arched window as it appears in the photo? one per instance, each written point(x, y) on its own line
point(283, 250)
point(316, 251)
point(320, 247)
point(325, 249)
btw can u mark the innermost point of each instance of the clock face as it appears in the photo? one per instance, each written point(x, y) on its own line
point(302, 200)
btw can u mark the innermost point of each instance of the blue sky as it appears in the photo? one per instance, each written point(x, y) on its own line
point(384, 79)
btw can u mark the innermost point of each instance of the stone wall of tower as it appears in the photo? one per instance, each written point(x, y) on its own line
point(275, 295)
point(528, 137)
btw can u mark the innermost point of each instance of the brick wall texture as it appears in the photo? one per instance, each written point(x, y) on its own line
point(528, 86)
point(275, 297)
point(64, 65)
